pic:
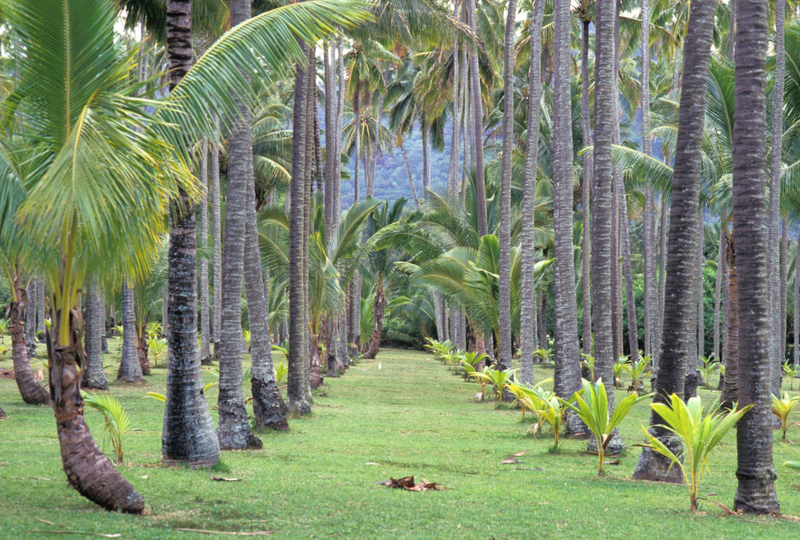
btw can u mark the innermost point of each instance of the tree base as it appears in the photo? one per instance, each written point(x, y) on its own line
point(655, 467)
point(298, 408)
point(615, 446)
point(268, 405)
point(756, 493)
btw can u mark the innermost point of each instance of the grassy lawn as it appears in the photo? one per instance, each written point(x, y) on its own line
point(402, 414)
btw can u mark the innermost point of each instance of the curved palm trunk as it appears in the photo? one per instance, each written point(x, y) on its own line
point(477, 127)
point(777, 294)
point(528, 240)
point(130, 370)
point(188, 433)
point(93, 375)
point(88, 470)
point(567, 354)
point(233, 429)
point(205, 326)
point(680, 276)
point(378, 310)
point(754, 439)
point(586, 189)
point(31, 391)
point(505, 347)
point(730, 386)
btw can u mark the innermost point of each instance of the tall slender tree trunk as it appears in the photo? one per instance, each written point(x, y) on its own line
point(378, 310)
point(528, 239)
point(721, 270)
point(314, 378)
point(298, 342)
point(777, 338)
point(188, 433)
point(567, 354)
point(648, 220)
point(784, 284)
point(633, 329)
point(732, 30)
point(408, 172)
point(506, 348)
point(586, 191)
point(30, 317)
point(40, 308)
point(680, 276)
point(453, 171)
point(543, 320)
point(754, 439)
point(130, 371)
point(216, 210)
point(730, 387)
point(93, 375)
point(796, 318)
point(205, 324)
point(477, 126)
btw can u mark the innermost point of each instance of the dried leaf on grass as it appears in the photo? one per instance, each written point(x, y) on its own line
point(223, 479)
point(727, 510)
point(512, 458)
point(408, 484)
point(229, 533)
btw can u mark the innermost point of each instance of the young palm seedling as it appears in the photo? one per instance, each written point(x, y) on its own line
point(544, 355)
point(588, 363)
point(469, 363)
point(782, 408)
point(710, 366)
point(619, 368)
point(117, 420)
point(637, 371)
point(158, 347)
point(527, 396)
point(592, 408)
point(699, 434)
point(791, 372)
point(499, 379)
point(3, 329)
point(549, 410)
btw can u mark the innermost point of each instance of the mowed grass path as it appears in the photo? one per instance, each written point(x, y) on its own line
point(402, 414)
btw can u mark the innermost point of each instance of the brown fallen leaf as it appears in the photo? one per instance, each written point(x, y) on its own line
point(408, 484)
point(614, 462)
point(727, 510)
point(518, 454)
point(222, 479)
point(229, 533)
point(510, 461)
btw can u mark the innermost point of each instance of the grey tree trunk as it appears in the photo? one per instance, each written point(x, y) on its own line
point(130, 371)
point(216, 210)
point(506, 348)
point(754, 439)
point(93, 374)
point(205, 323)
point(586, 192)
point(776, 307)
point(796, 318)
point(477, 126)
point(567, 376)
point(30, 317)
point(633, 330)
point(730, 386)
point(680, 276)
point(721, 270)
point(233, 429)
point(784, 283)
point(410, 176)
point(298, 341)
point(453, 171)
point(528, 240)
point(40, 307)
point(648, 220)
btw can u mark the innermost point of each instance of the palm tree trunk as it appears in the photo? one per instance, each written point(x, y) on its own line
point(330, 130)
point(477, 126)
point(586, 189)
point(648, 220)
point(130, 371)
point(298, 344)
point(30, 318)
point(784, 284)
point(216, 209)
point(754, 439)
point(680, 276)
point(732, 30)
point(567, 355)
point(721, 270)
point(506, 348)
point(188, 433)
point(777, 293)
point(314, 377)
point(543, 320)
point(31, 391)
point(205, 326)
point(378, 310)
point(40, 308)
point(796, 318)
point(633, 329)
point(730, 387)
point(93, 375)
point(408, 172)
point(453, 169)
point(528, 239)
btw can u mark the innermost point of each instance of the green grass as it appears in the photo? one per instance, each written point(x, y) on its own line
point(410, 417)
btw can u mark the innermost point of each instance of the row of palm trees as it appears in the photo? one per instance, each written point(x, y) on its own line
point(93, 175)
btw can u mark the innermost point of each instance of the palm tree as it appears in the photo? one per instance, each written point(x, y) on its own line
point(755, 472)
point(130, 371)
point(93, 375)
point(233, 429)
point(676, 340)
point(505, 345)
point(527, 240)
point(202, 241)
point(477, 125)
point(568, 370)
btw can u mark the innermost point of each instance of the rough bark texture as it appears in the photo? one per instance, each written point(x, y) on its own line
point(205, 326)
point(796, 318)
point(755, 471)
point(298, 349)
point(31, 391)
point(30, 317)
point(730, 387)
point(528, 239)
point(505, 347)
point(721, 272)
point(777, 294)
point(648, 220)
point(188, 433)
point(217, 234)
point(586, 191)
point(477, 126)
point(93, 375)
point(378, 311)
point(453, 170)
point(680, 276)
point(130, 370)
point(88, 470)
